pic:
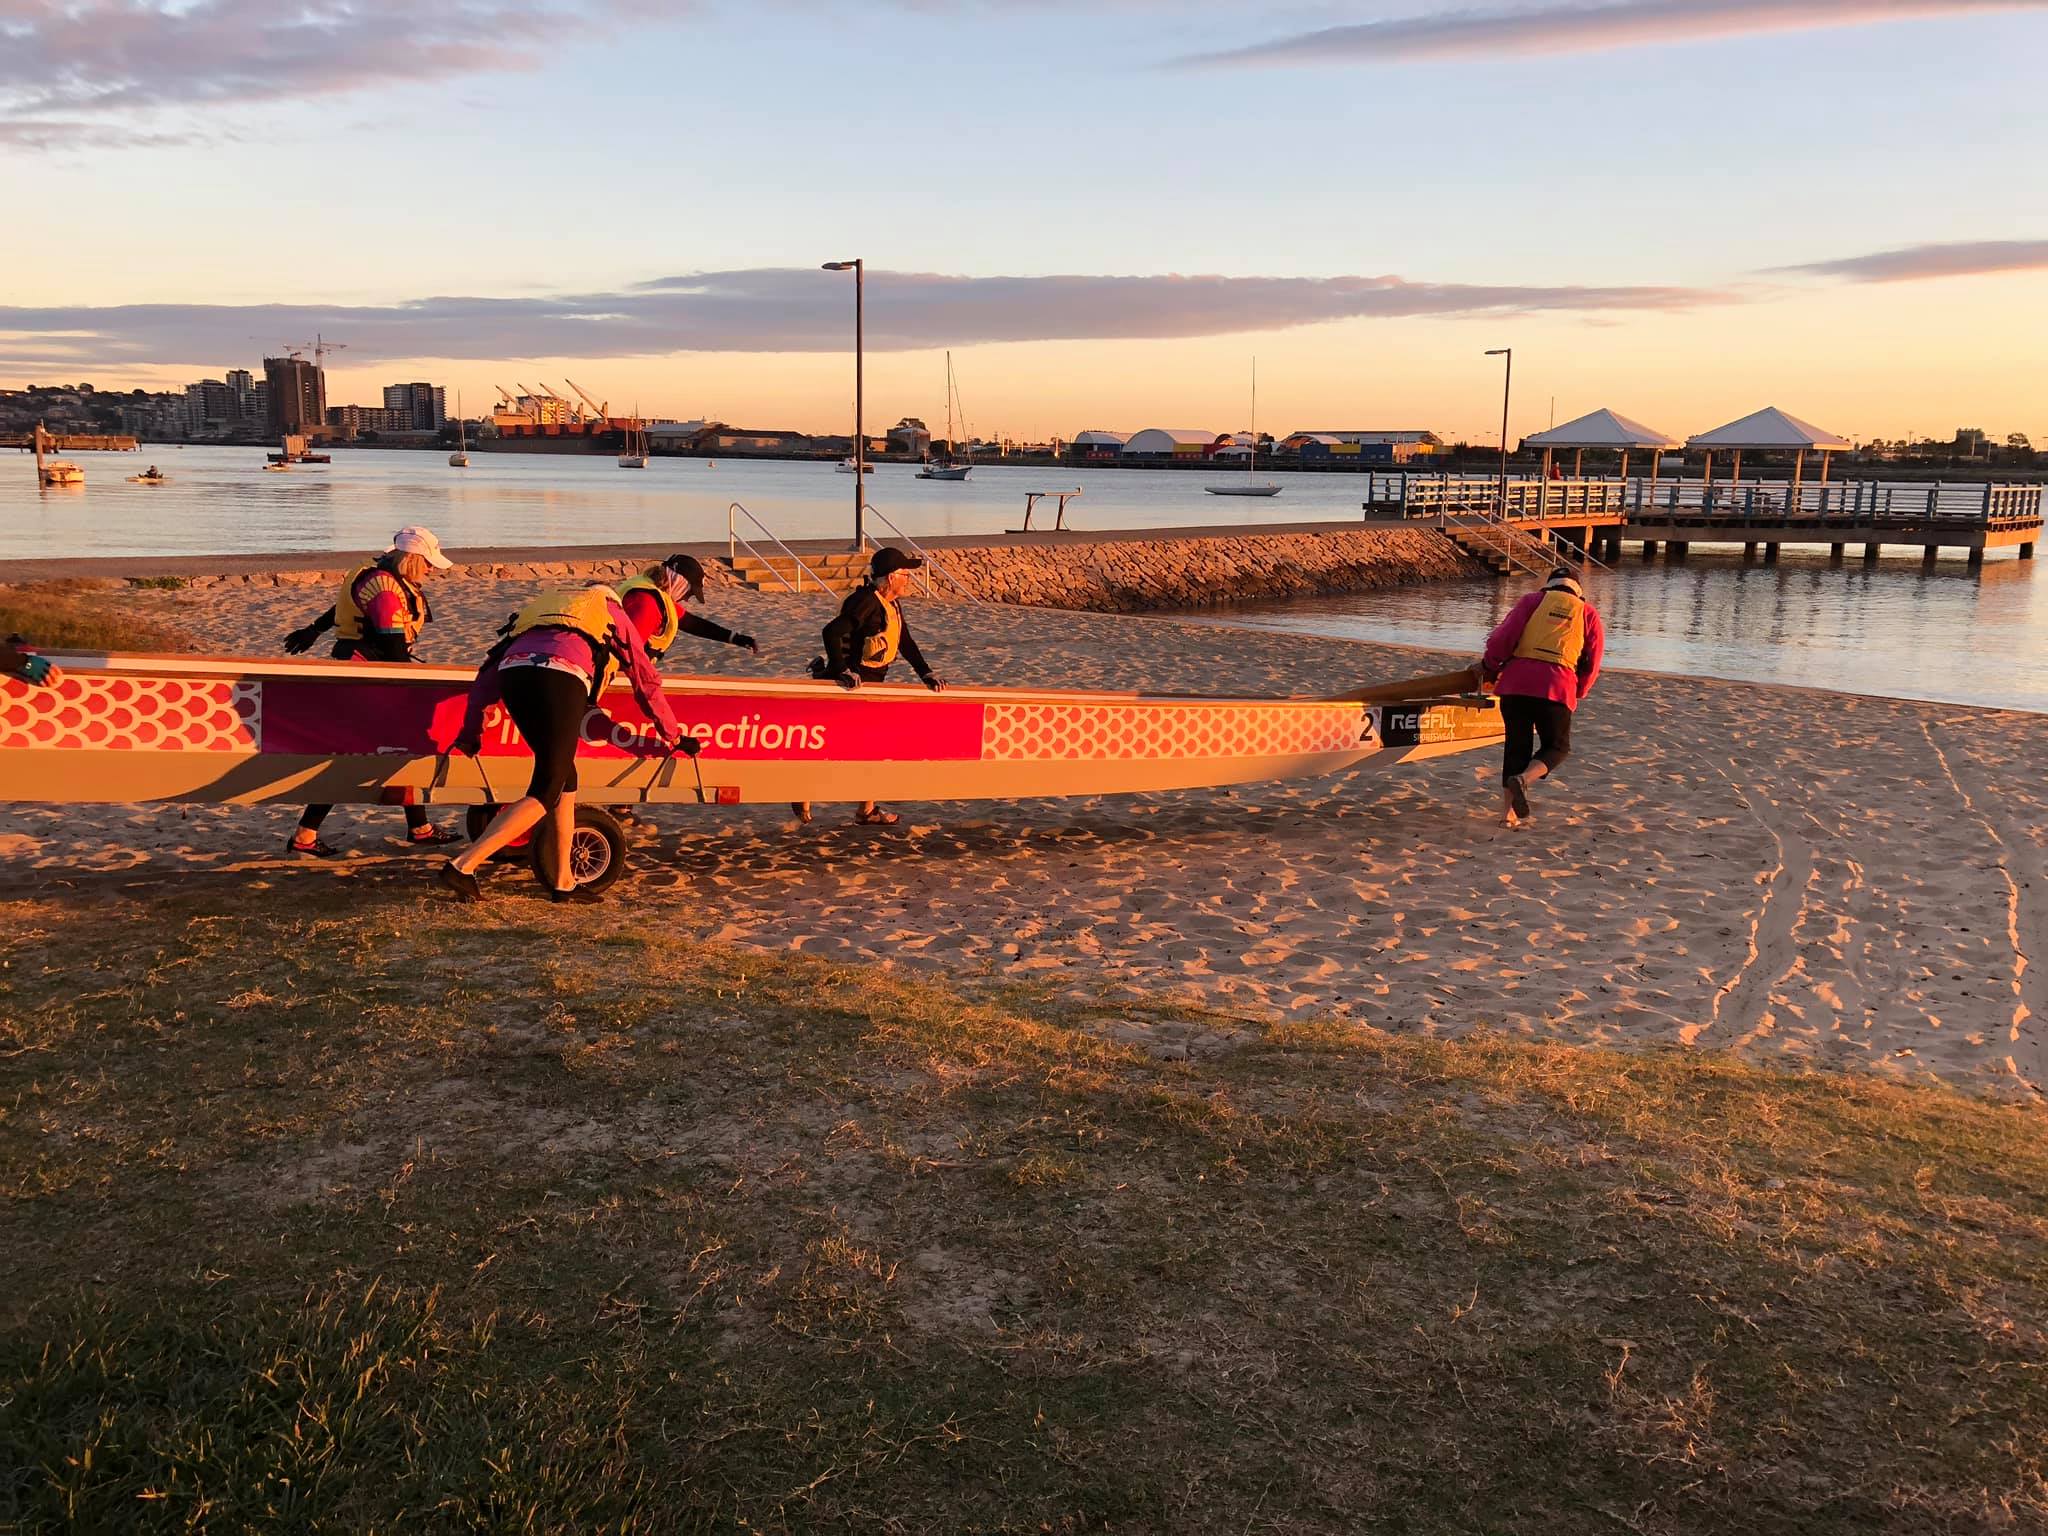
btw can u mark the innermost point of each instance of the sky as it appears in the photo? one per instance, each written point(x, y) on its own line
point(1681, 209)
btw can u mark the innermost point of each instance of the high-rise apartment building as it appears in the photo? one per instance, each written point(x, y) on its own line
point(298, 395)
point(242, 385)
point(425, 405)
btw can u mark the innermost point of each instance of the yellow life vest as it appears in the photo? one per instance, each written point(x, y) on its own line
point(1556, 631)
point(348, 618)
point(880, 650)
point(587, 611)
point(671, 613)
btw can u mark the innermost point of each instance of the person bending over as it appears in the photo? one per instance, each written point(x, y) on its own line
point(559, 653)
point(864, 641)
point(18, 661)
point(377, 616)
point(1544, 657)
point(654, 600)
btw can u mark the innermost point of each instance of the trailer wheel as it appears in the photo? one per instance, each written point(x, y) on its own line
point(479, 819)
point(597, 850)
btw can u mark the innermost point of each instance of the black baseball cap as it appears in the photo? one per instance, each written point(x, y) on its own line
point(889, 559)
point(691, 569)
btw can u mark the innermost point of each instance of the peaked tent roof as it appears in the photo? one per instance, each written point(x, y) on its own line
point(1772, 428)
point(1602, 429)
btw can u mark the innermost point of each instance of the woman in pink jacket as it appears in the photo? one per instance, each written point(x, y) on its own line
point(1544, 658)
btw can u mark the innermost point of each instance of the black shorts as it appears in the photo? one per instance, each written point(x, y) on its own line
point(548, 706)
point(1531, 722)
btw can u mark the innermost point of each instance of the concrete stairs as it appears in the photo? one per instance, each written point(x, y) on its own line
point(1488, 546)
point(840, 572)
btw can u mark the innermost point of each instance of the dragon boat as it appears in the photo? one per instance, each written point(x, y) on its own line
point(135, 728)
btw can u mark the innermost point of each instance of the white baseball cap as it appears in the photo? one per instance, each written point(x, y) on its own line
point(415, 540)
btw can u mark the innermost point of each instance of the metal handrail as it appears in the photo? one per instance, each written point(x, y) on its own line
point(734, 543)
point(931, 562)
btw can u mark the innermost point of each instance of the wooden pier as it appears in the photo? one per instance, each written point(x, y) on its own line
point(72, 442)
point(1600, 516)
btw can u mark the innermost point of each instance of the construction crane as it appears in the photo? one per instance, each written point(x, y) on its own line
point(319, 346)
point(603, 411)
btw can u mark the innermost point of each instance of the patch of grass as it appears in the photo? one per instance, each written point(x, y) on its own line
point(160, 583)
point(333, 1208)
point(80, 615)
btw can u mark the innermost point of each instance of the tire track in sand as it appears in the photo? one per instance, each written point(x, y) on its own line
point(2026, 927)
point(1745, 997)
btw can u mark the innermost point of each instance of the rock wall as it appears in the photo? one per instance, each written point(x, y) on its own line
point(1125, 576)
point(1134, 575)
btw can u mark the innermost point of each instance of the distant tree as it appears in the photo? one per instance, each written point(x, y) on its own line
point(2017, 442)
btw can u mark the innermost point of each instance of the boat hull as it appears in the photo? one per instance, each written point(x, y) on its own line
point(129, 729)
point(1242, 490)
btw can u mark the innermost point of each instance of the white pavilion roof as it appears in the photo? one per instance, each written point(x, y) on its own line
point(1772, 428)
point(1603, 429)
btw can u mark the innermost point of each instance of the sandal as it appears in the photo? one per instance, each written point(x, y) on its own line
point(875, 818)
point(319, 848)
point(431, 837)
point(1518, 795)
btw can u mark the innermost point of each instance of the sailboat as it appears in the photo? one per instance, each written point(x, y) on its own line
point(459, 459)
point(634, 455)
point(1251, 486)
point(944, 467)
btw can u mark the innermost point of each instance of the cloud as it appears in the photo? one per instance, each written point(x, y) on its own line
point(1913, 263)
point(1584, 28)
point(68, 66)
point(776, 309)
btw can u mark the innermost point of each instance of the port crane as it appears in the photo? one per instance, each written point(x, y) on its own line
point(603, 411)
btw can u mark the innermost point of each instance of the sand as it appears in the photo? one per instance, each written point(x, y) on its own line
point(1796, 876)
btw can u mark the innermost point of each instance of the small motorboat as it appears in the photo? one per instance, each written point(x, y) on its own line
point(458, 460)
point(56, 474)
point(937, 470)
point(277, 467)
point(848, 467)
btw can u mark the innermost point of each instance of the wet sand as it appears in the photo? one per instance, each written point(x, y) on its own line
point(1812, 878)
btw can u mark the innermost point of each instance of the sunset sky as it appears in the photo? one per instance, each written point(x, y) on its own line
point(1684, 209)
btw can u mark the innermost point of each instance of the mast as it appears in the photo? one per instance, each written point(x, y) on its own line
point(949, 405)
point(1252, 467)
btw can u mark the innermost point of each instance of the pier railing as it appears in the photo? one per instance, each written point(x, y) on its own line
point(1524, 500)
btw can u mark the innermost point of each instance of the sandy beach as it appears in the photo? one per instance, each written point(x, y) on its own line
point(1794, 876)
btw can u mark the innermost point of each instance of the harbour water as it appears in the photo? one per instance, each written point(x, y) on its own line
point(1891, 629)
point(222, 501)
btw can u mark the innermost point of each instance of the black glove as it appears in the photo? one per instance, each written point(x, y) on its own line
point(848, 680)
point(468, 745)
point(747, 643)
point(933, 681)
point(300, 641)
point(689, 746)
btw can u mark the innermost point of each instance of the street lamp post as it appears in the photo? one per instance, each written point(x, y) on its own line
point(1506, 392)
point(860, 445)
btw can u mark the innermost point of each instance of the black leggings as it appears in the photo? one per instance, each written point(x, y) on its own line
point(1529, 721)
point(548, 706)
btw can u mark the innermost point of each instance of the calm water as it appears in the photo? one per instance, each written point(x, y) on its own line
point(1890, 630)
point(221, 501)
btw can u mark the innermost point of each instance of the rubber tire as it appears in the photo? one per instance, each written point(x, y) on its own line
point(479, 818)
point(599, 850)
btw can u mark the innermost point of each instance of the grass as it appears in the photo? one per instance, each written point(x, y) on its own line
point(85, 615)
point(331, 1208)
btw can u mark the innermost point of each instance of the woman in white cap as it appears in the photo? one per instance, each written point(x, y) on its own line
point(1544, 658)
point(377, 615)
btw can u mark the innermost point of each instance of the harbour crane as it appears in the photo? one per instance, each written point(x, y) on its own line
point(603, 411)
point(509, 399)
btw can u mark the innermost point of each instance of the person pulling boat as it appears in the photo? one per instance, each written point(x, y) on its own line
point(863, 642)
point(559, 654)
point(654, 600)
point(1545, 657)
point(377, 616)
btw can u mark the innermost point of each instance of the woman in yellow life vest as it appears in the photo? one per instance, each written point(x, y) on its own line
point(863, 642)
point(1544, 659)
point(550, 671)
point(377, 616)
point(655, 601)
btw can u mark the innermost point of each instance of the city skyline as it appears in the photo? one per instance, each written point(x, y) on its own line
point(1684, 209)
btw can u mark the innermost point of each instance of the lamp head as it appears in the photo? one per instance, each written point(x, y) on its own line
point(840, 266)
point(1501, 352)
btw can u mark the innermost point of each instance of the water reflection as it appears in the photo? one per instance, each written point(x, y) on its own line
point(1890, 629)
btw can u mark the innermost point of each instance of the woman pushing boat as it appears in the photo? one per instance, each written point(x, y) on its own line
point(864, 641)
point(654, 600)
point(559, 653)
point(1546, 657)
point(377, 616)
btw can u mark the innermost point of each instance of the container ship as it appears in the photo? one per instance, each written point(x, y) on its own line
point(542, 421)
